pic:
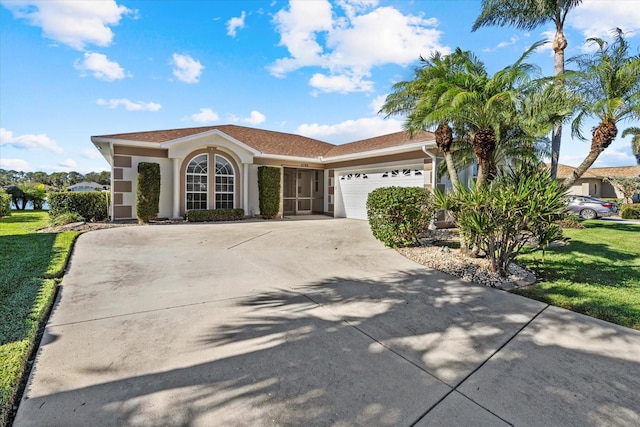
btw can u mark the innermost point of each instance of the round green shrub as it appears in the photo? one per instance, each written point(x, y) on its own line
point(398, 216)
point(630, 212)
point(91, 205)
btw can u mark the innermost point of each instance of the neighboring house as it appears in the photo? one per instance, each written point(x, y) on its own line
point(87, 186)
point(592, 183)
point(217, 167)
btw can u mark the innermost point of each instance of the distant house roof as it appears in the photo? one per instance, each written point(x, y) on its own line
point(87, 184)
point(278, 143)
point(565, 170)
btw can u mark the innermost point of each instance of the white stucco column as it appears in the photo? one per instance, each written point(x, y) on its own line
point(245, 188)
point(176, 188)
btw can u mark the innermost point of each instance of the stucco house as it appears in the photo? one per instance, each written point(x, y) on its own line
point(217, 167)
point(592, 182)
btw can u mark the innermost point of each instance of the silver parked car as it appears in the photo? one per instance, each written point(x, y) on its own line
point(590, 208)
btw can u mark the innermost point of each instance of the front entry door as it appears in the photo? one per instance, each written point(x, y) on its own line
point(304, 183)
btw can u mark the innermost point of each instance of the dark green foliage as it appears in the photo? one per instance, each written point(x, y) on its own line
point(500, 218)
point(269, 190)
point(630, 212)
point(214, 215)
point(91, 205)
point(399, 215)
point(5, 203)
point(148, 194)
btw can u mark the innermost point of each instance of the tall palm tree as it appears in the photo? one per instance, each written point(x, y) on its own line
point(527, 15)
point(608, 81)
point(635, 141)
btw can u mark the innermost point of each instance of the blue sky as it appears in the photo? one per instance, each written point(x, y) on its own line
point(73, 69)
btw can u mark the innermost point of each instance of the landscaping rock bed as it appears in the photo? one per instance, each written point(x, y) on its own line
point(436, 252)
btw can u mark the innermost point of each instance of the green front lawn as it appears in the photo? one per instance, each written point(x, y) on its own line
point(597, 274)
point(31, 266)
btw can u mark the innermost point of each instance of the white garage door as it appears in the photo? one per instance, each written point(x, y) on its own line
point(356, 186)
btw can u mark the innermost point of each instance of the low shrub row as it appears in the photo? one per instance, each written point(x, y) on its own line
point(214, 215)
point(5, 203)
point(630, 211)
point(90, 205)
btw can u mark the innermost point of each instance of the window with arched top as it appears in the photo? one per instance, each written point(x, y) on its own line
point(225, 184)
point(196, 182)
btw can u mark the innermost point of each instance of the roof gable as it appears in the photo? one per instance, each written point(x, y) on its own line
point(276, 143)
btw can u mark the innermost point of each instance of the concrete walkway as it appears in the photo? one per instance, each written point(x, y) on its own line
point(310, 323)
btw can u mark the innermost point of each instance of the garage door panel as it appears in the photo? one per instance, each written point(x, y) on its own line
point(356, 186)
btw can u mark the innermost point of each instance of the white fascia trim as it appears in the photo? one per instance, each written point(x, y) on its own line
point(252, 150)
point(126, 142)
point(291, 158)
point(380, 152)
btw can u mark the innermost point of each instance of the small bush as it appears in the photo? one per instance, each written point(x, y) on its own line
point(501, 217)
point(399, 215)
point(630, 212)
point(269, 191)
point(148, 194)
point(5, 203)
point(214, 215)
point(90, 205)
point(571, 221)
point(64, 219)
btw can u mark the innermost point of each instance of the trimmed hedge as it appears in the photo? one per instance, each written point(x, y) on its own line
point(398, 216)
point(148, 193)
point(269, 191)
point(214, 215)
point(630, 212)
point(91, 205)
point(5, 203)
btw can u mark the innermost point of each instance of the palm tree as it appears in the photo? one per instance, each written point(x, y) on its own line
point(419, 97)
point(527, 15)
point(635, 141)
point(608, 81)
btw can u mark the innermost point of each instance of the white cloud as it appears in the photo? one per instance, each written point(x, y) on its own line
point(29, 141)
point(255, 118)
point(598, 18)
point(89, 153)
point(376, 103)
point(234, 23)
point(351, 130)
point(204, 116)
point(68, 163)
point(513, 40)
point(74, 23)
point(186, 69)
point(349, 46)
point(615, 157)
point(100, 66)
point(129, 105)
point(14, 164)
point(342, 83)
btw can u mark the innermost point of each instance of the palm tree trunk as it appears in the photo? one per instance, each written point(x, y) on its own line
point(603, 136)
point(559, 45)
point(453, 173)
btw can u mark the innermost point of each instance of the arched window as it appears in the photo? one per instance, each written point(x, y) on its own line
point(197, 178)
point(225, 184)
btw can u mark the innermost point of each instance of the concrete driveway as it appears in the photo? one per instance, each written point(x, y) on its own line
point(310, 323)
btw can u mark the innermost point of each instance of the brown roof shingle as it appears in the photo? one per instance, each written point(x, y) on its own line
point(379, 142)
point(565, 170)
point(265, 141)
point(279, 143)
